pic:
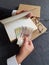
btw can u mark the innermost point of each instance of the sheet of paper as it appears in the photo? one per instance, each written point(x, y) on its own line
point(23, 22)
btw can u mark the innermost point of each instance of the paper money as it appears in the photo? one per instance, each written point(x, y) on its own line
point(18, 32)
point(21, 32)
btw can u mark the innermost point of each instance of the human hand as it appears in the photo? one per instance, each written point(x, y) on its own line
point(25, 50)
point(21, 11)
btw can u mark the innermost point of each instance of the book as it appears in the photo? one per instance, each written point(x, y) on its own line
point(13, 29)
point(11, 26)
point(19, 25)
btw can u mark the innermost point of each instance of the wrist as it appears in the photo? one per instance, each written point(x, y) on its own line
point(19, 58)
point(14, 12)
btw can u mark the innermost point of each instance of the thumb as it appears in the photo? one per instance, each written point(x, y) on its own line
point(26, 40)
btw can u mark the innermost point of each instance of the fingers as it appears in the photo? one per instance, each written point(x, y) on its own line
point(26, 40)
point(21, 11)
point(29, 15)
point(31, 44)
point(18, 12)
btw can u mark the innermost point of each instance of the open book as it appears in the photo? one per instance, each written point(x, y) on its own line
point(11, 25)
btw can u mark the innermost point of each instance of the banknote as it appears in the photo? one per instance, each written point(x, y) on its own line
point(23, 31)
point(18, 32)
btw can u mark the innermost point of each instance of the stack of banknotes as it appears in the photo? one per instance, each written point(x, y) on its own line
point(21, 32)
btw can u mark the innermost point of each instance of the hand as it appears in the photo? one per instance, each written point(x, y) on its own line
point(25, 50)
point(21, 11)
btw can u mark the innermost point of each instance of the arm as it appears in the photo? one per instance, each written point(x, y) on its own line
point(25, 50)
point(4, 13)
point(21, 50)
point(12, 60)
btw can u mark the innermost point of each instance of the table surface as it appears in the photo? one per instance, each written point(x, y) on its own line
point(40, 56)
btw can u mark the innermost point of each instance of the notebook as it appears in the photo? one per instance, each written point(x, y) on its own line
point(13, 25)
